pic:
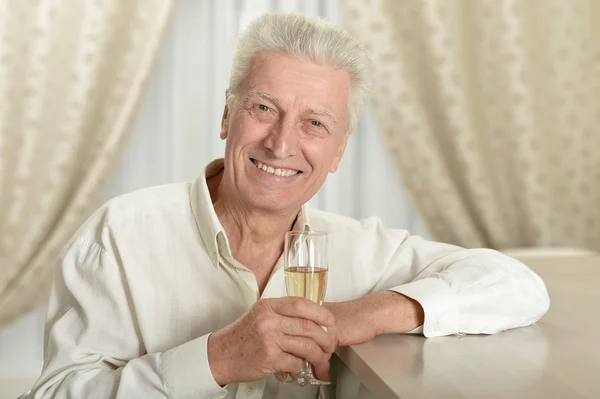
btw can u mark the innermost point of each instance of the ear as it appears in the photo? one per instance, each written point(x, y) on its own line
point(338, 156)
point(225, 117)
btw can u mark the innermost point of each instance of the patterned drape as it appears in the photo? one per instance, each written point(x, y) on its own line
point(71, 75)
point(491, 111)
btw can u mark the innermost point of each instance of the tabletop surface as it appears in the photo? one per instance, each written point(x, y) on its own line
point(558, 357)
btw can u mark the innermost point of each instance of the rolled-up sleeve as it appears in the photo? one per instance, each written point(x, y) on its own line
point(93, 346)
point(471, 291)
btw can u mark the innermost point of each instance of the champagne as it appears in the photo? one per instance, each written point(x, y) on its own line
point(306, 282)
point(302, 251)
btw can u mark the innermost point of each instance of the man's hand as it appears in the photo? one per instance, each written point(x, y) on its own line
point(364, 318)
point(273, 338)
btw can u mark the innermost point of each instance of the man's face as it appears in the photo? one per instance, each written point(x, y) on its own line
point(289, 118)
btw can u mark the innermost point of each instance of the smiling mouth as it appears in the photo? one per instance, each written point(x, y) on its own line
point(275, 171)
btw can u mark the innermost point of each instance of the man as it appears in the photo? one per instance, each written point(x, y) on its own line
point(177, 291)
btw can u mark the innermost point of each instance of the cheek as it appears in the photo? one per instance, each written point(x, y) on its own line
point(248, 129)
point(321, 156)
point(240, 133)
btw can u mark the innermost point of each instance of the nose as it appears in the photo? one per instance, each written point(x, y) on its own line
point(282, 139)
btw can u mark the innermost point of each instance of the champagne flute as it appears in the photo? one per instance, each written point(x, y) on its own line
point(306, 266)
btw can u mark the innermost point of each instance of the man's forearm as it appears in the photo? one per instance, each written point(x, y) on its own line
point(363, 319)
point(395, 313)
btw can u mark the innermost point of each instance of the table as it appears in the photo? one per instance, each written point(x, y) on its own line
point(558, 357)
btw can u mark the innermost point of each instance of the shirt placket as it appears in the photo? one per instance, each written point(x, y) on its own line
point(275, 288)
point(241, 272)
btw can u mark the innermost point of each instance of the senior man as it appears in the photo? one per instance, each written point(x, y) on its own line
point(178, 291)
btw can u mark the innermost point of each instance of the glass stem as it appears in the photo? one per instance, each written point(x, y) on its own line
point(306, 368)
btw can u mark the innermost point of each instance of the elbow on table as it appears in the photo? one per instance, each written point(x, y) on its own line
point(543, 302)
point(536, 299)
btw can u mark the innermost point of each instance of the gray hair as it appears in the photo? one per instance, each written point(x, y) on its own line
point(305, 38)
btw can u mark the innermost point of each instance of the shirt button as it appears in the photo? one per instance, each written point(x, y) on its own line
point(249, 391)
point(437, 327)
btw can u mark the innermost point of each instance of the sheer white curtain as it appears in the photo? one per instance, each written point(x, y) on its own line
point(178, 133)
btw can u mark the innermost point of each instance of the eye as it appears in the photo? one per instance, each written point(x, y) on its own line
point(316, 123)
point(263, 107)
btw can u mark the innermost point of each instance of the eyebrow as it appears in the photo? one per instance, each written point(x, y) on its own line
point(276, 101)
point(322, 112)
point(264, 95)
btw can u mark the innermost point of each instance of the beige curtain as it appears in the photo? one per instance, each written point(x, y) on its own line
point(491, 112)
point(71, 75)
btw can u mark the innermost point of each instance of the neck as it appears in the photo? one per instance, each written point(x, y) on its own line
point(252, 233)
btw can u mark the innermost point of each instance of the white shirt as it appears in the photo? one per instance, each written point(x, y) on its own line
point(150, 275)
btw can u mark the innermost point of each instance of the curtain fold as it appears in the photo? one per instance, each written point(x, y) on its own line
point(491, 112)
point(71, 76)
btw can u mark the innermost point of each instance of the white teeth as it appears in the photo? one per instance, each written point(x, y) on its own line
point(278, 172)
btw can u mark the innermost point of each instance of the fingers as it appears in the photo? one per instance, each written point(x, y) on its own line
point(290, 330)
point(321, 371)
point(281, 376)
point(304, 309)
point(287, 364)
point(308, 329)
point(293, 366)
point(304, 348)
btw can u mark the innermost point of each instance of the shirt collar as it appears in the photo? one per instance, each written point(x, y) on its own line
point(209, 225)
